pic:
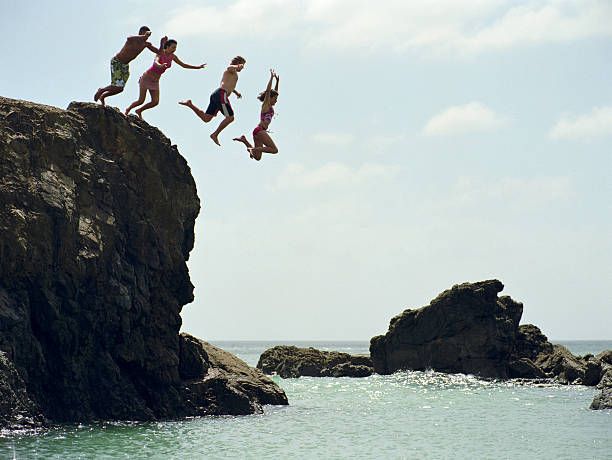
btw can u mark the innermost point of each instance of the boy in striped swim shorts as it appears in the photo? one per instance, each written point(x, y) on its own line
point(120, 63)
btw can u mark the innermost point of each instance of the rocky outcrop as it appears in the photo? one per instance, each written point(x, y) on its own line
point(293, 362)
point(97, 217)
point(466, 329)
point(217, 382)
point(562, 364)
point(604, 399)
point(469, 329)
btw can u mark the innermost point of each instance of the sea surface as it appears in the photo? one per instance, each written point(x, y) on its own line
point(412, 415)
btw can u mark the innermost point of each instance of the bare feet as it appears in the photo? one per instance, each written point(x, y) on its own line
point(188, 103)
point(214, 137)
point(255, 153)
point(127, 112)
point(102, 101)
point(97, 95)
point(242, 139)
point(139, 113)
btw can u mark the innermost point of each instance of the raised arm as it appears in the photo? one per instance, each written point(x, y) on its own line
point(266, 102)
point(277, 81)
point(187, 66)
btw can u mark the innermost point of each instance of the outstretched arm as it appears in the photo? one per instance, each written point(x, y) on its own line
point(187, 66)
point(162, 42)
point(277, 82)
point(152, 48)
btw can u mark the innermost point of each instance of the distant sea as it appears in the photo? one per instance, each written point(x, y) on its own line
point(412, 415)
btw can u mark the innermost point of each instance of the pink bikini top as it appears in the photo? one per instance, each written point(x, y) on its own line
point(164, 58)
point(266, 117)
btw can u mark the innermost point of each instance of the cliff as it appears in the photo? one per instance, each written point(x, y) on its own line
point(97, 216)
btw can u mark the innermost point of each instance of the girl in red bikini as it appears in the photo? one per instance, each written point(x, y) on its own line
point(150, 79)
point(261, 138)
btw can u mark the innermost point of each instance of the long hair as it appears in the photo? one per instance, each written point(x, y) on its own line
point(262, 95)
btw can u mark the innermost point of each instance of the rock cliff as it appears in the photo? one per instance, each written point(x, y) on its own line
point(97, 217)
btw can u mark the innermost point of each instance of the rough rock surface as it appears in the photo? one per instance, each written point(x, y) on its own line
point(97, 217)
point(466, 329)
point(292, 362)
point(225, 381)
point(603, 400)
point(16, 408)
point(562, 364)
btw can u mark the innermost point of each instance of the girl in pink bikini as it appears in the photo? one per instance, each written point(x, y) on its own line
point(150, 79)
point(261, 138)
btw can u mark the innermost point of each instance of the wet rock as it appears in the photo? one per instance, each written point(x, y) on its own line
point(293, 362)
point(466, 329)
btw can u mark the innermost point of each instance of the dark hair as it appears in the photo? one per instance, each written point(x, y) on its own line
point(238, 60)
point(169, 43)
point(143, 29)
point(262, 95)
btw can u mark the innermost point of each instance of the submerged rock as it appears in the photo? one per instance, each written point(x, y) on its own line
point(466, 329)
point(97, 215)
point(293, 362)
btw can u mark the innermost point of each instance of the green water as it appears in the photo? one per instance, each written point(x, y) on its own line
point(405, 415)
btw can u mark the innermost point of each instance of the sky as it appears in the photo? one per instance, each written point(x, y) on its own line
point(421, 144)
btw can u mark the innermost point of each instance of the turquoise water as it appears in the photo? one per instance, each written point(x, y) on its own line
point(405, 415)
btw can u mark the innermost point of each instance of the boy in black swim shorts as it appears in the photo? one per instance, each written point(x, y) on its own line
point(219, 100)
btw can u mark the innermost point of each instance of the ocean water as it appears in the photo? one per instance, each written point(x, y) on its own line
point(404, 415)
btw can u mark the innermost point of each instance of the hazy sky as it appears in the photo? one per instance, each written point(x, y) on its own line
point(422, 144)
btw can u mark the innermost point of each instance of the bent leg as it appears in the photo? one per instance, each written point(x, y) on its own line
point(226, 121)
point(205, 117)
point(263, 143)
point(141, 99)
point(244, 140)
point(154, 101)
point(109, 90)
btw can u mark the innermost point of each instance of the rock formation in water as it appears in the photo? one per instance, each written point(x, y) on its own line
point(469, 329)
point(292, 362)
point(604, 399)
point(97, 217)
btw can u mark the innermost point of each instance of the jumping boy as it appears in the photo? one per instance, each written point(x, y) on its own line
point(120, 64)
point(219, 100)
